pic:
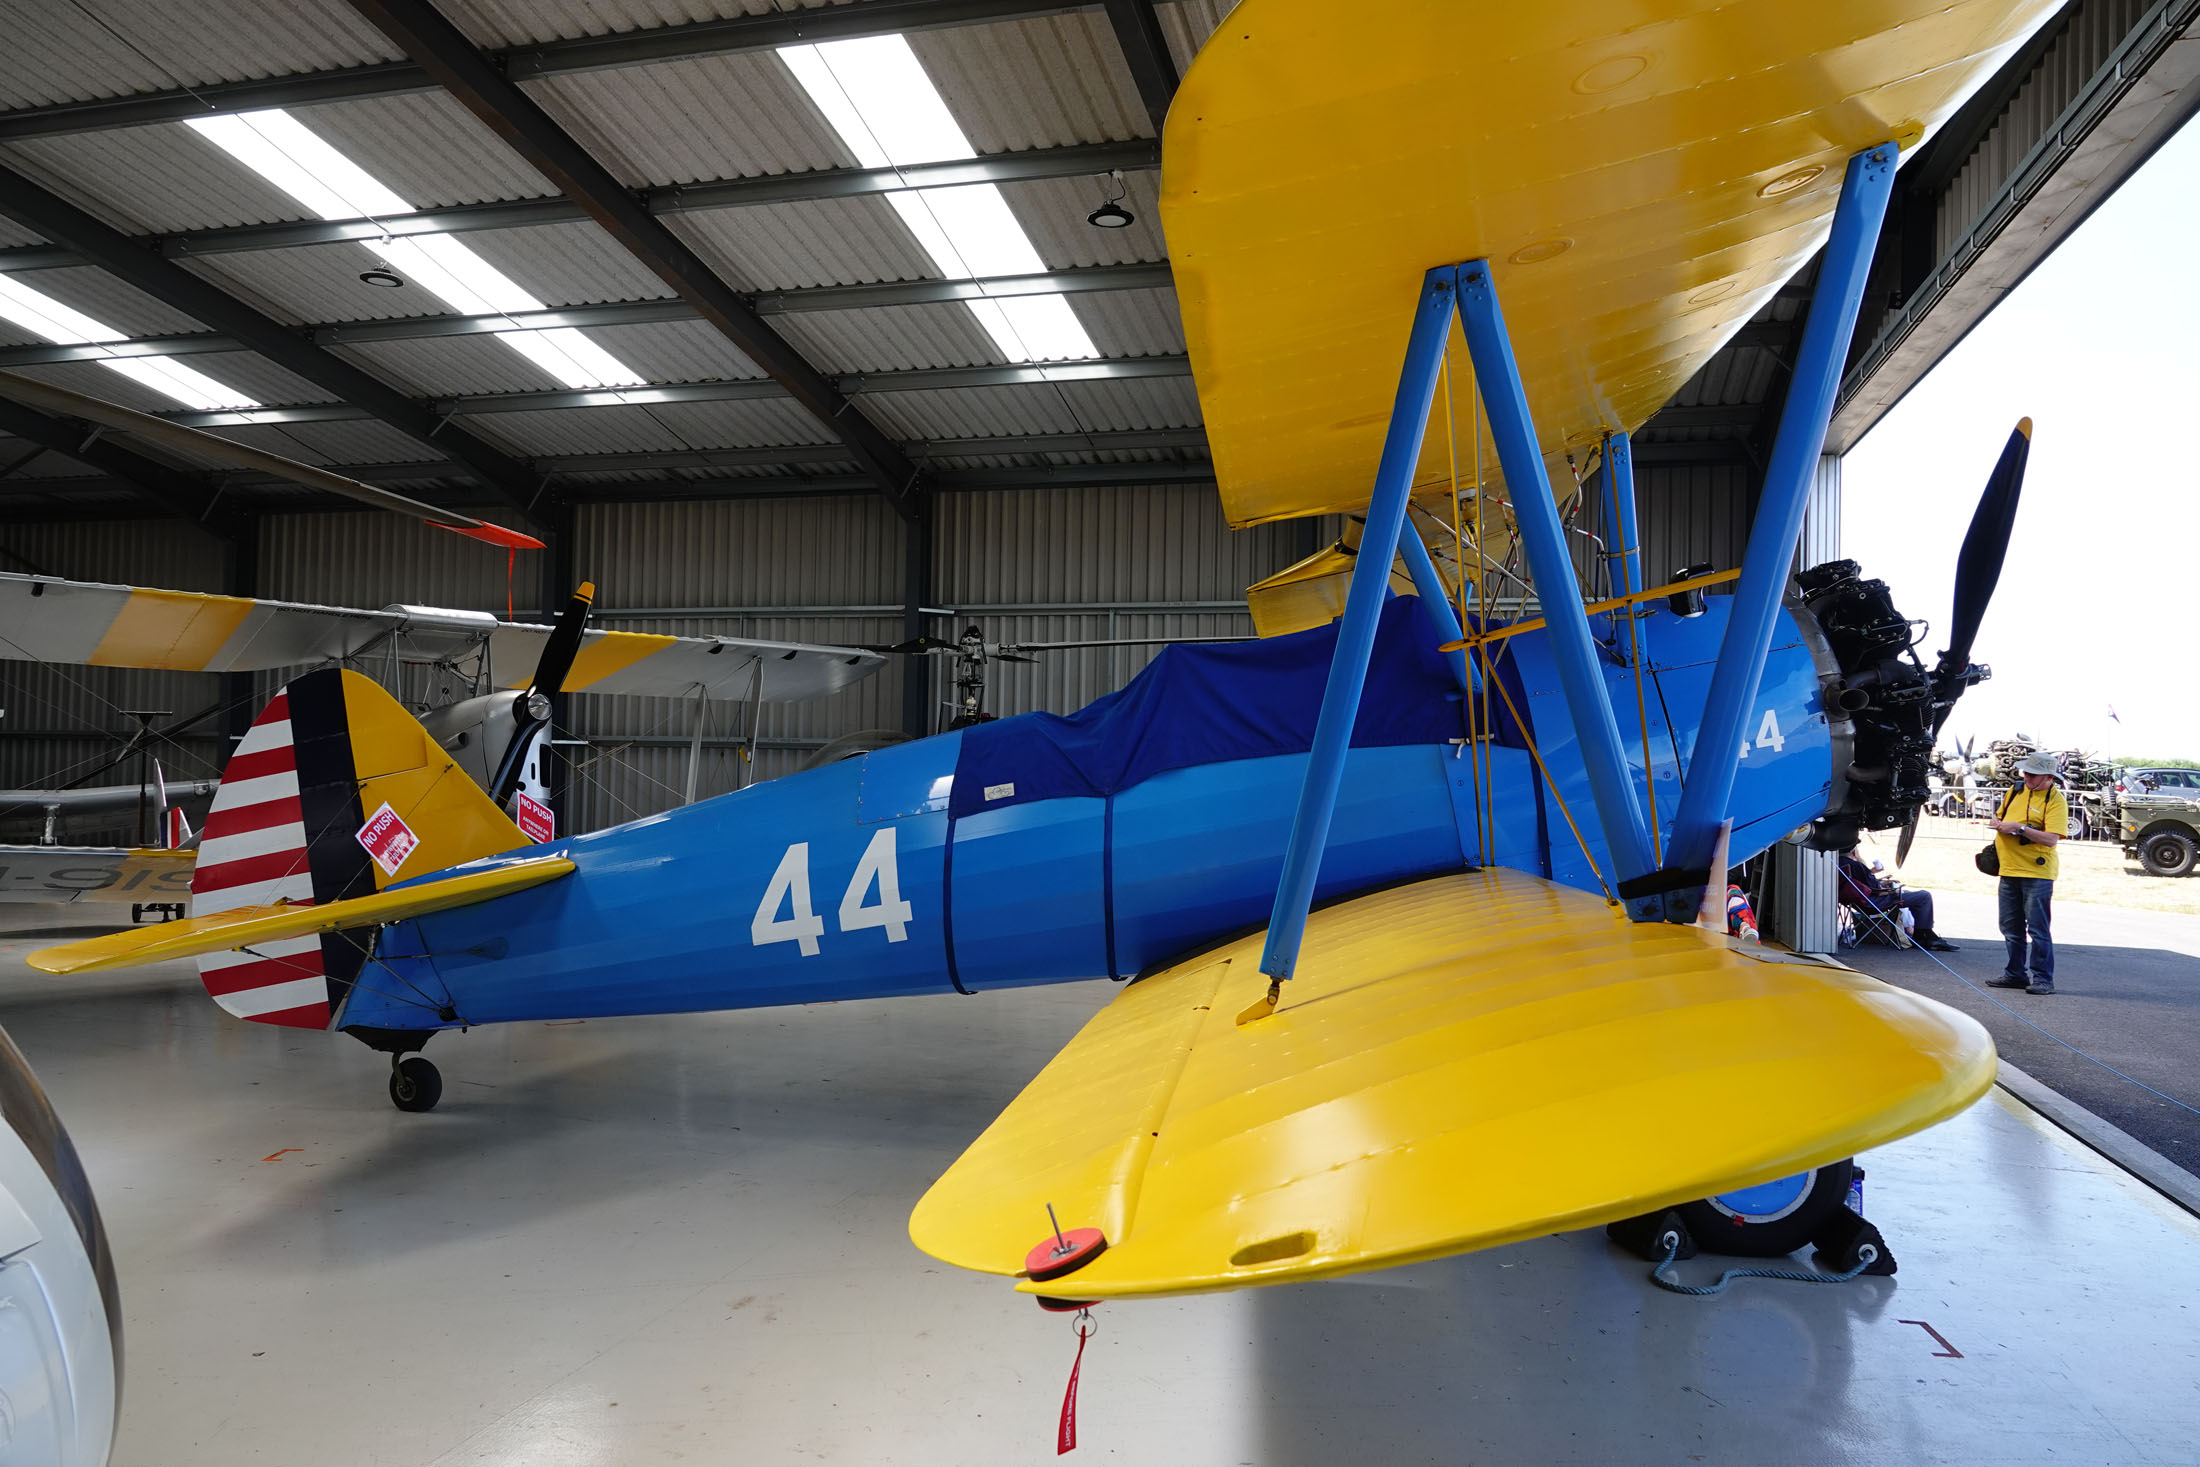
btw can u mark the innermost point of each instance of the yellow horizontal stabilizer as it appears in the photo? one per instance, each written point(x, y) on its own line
point(243, 926)
point(1459, 1063)
point(1642, 176)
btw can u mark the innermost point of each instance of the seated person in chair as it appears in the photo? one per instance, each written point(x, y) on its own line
point(1860, 886)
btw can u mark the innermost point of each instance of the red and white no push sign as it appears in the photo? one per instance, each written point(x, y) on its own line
point(387, 838)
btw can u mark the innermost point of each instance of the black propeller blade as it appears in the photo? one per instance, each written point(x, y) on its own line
point(532, 709)
point(1978, 571)
point(1978, 565)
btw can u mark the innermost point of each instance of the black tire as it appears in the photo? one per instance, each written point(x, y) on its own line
point(2167, 853)
point(1718, 1229)
point(415, 1084)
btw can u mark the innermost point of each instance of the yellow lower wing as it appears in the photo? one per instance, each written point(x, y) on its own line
point(1459, 1063)
point(243, 926)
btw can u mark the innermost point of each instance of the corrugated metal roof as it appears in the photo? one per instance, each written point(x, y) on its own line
point(1041, 83)
point(1131, 323)
point(822, 242)
point(739, 424)
point(89, 377)
point(1053, 210)
point(1134, 402)
point(567, 264)
point(254, 374)
point(151, 179)
point(686, 121)
point(426, 147)
point(676, 351)
point(888, 337)
point(446, 366)
point(520, 22)
point(576, 430)
point(558, 264)
point(358, 442)
point(104, 298)
point(972, 412)
point(1188, 25)
point(62, 53)
point(309, 285)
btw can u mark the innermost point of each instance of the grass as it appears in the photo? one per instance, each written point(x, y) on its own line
point(2095, 872)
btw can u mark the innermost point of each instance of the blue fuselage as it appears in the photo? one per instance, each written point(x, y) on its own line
point(858, 881)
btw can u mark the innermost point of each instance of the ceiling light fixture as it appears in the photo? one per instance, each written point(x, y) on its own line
point(42, 315)
point(875, 95)
point(1111, 214)
point(282, 150)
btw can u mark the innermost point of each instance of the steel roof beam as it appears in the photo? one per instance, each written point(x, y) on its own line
point(762, 486)
point(915, 379)
point(57, 219)
point(624, 313)
point(528, 63)
point(1133, 440)
point(728, 193)
point(1138, 32)
point(171, 490)
point(462, 70)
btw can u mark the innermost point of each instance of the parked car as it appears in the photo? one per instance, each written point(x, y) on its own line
point(2160, 813)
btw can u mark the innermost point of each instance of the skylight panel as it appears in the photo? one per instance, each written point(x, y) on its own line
point(877, 97)
point(298, 161)
point(42, 315)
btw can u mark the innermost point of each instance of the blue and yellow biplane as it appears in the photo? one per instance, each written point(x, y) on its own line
point(1405, 902)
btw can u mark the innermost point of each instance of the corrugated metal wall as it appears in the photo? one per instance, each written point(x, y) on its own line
point(1692, 516)
point(2095, 30)
point(1024, 565)
point(60, 723)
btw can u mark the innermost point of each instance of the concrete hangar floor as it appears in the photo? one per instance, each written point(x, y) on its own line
point(683, 1240)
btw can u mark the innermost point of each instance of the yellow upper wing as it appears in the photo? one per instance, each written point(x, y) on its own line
point(1459, 1063)
point(1642, 176)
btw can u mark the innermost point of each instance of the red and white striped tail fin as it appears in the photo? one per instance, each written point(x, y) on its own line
point(258, 850)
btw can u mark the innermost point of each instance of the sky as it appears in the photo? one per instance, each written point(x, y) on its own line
point(2099, 602)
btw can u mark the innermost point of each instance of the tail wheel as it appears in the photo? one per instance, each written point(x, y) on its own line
point(2167, 853)
point(415, 1084)
point(1774, 1218)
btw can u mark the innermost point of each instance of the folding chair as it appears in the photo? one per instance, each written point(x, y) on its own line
point(1864, 919)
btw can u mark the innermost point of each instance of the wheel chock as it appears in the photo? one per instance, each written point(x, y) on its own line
point(1844, 1242)
point(1654, 1237)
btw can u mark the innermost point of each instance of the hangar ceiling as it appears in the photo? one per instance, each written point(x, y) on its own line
point(652, 181)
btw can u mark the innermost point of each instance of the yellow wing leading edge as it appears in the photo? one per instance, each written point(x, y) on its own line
point(1459, 1063)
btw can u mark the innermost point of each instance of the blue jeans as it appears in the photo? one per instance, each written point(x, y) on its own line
point(2024, 911)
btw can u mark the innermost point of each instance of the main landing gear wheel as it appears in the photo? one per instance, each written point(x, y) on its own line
point(1771, 1220)
point(415, 1084)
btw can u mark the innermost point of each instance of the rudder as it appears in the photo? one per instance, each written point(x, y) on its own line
point(287, 826)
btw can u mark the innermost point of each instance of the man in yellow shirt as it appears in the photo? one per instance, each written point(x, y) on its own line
point(2031, 821)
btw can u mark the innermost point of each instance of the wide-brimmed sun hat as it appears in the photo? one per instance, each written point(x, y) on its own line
point(2037, 764)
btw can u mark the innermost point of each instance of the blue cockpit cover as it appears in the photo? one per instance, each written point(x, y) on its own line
point(1204, 704)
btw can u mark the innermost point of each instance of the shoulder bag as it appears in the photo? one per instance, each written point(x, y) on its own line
point(1988, 860)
